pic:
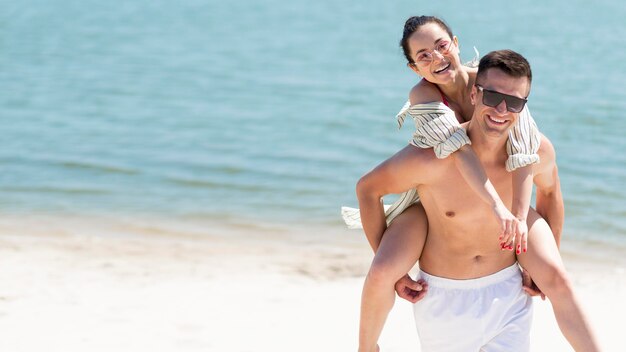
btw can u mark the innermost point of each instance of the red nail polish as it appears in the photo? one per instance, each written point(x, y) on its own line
point(524, 250)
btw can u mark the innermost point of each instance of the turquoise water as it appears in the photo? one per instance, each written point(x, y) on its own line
point(252, 111)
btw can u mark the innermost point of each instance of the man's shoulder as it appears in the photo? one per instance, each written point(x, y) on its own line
point(428, 167)
point(546, 149)
point(547, 155)
point(421, 156)
point(422, 161)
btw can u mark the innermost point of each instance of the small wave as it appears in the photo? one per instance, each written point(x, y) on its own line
point(214, 185)
point(98, 167)
point(229, 170)
point(56, 190)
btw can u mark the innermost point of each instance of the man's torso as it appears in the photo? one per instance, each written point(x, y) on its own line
point(462, 241)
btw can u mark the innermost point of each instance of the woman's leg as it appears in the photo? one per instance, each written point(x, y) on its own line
point(400, 248)
point(543, 263)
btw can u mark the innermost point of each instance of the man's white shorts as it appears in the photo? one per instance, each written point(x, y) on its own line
point(491, 313)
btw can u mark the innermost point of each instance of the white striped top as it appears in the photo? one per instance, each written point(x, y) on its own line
point(523, 143)
point(436, 127)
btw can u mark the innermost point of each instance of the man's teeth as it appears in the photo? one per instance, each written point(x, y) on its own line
point(496, 120)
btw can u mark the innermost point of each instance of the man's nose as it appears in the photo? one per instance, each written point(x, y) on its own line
point(501, 108)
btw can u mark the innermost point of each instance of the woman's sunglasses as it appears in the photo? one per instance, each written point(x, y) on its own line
point(492, 98)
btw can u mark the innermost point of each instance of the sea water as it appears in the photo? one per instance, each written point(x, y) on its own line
point(269, 111)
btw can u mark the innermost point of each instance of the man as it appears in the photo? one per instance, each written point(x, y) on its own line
point(475, 299)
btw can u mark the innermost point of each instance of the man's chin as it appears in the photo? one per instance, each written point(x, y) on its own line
point(496, 132)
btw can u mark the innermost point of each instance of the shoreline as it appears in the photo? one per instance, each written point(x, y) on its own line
point(169, 288)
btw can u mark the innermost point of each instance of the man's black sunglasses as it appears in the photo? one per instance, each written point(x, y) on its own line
point(492, 98)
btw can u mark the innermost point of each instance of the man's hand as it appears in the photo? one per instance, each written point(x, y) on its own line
point(410, 289)
point(529, 286)
point(508, 226)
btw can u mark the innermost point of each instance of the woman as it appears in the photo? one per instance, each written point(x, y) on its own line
point(438, 103)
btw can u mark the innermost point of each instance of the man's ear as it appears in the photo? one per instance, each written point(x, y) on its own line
point(414, 68)
point(455, 39)
point(473, 94)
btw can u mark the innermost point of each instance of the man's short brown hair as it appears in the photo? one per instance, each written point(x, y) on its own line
point(510, 62)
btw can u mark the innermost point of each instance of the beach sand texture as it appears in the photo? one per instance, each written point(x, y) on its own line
point(215, 117)
point(68, 287)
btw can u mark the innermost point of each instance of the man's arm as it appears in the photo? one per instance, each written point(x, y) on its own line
point(401, 172)
point(549, 198)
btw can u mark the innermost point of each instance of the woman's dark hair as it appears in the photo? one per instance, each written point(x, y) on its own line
point(412, 25)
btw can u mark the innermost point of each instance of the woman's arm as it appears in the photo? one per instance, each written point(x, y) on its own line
point(468, 164)
point(522, 191)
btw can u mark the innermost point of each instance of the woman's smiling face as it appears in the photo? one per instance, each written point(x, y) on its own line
point(435, 55)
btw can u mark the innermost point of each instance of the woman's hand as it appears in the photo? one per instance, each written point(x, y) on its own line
point(508, 226)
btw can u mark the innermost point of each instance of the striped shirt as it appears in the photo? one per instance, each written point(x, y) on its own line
point(523, 143)
point(436, 127)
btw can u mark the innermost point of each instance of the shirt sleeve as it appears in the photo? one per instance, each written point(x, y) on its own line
point(436, 127)
point(523, 143)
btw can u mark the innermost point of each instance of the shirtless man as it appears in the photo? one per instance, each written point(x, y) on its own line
point(474, 299)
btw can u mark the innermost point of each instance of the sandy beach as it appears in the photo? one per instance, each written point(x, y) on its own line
point(173, 171)
point(95, 285)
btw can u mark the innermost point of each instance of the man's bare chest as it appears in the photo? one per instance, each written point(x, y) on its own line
point(451, 196)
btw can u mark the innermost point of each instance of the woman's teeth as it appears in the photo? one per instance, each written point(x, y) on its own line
point(442, 68)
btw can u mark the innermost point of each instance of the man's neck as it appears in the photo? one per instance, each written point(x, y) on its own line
point(487, 148)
